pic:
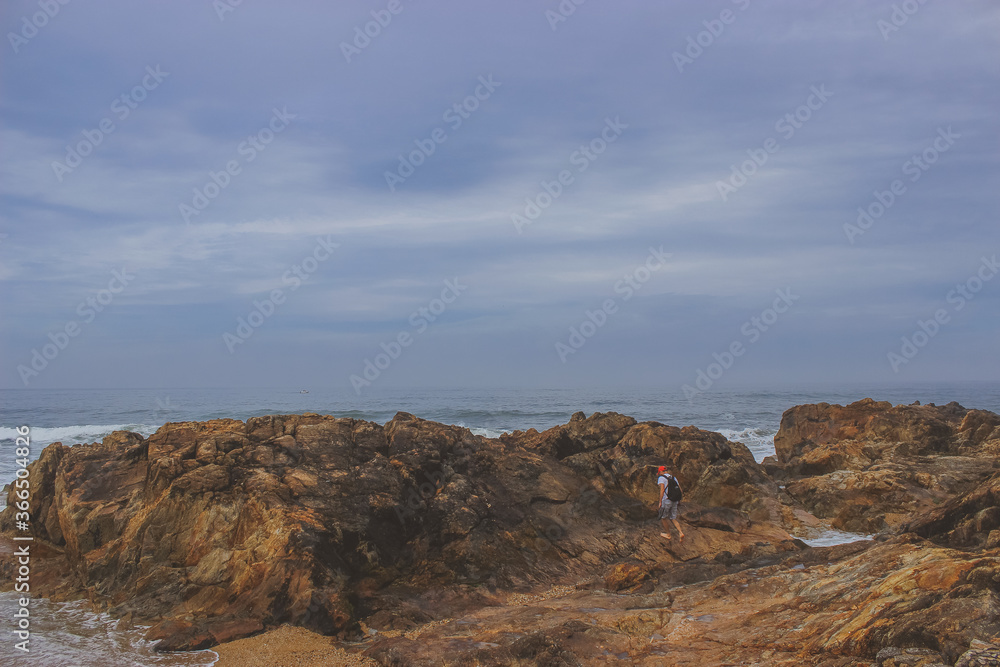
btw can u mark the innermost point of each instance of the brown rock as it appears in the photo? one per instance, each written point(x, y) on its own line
point(869, 466)
point(219, 529)
point(964, 521)
point(624, 576)
point(581, 434)
point(718, 518)
point(980, 654)
point(427, 529)
point(179, 635)
point(224, 631)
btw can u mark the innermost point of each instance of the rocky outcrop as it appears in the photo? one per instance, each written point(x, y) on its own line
point(417, 540)
point(913, 599)
point(712, 470)
point(219, 529)
point(971, 521)
point(821, 437)
point(869, 466)
point(621, 457)
point(580, 435)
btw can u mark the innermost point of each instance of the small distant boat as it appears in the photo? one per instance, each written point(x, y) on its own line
point(304, 391)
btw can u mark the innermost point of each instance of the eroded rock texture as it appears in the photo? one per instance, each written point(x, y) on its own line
point(869, 466)
point(425, 540)
point(218, 529)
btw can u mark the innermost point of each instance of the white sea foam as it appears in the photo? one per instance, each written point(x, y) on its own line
point(831, 537)
point(42, 436)
point(71, 435)
point(71, 633)
point(485, 432)
point(760, 441)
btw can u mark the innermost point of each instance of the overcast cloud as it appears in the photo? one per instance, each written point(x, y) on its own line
point(663, 98)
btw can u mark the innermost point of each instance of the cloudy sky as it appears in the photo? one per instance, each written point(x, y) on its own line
point(497, 193)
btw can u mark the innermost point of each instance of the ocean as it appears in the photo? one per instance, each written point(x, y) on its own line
point(69, 633)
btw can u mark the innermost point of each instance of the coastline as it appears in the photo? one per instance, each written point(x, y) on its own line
point(417, 539)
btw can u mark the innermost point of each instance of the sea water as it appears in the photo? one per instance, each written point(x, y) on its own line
point(72, 634)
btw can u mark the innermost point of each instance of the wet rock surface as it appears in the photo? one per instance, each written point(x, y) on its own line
point(415, 540)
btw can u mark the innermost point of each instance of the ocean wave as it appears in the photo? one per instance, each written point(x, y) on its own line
point(72, 435)
point(760, 441)
point(74, 634)
point(485, 432)
point(508, 420)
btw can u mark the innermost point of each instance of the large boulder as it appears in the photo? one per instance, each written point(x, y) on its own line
point(582, 434)
point(868, 466)
point(820, 438)
point(970, 521)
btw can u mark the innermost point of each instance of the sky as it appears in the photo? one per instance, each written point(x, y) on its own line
point(373, 193)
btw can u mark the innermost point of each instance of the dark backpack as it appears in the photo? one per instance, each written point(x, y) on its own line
point(674, 493)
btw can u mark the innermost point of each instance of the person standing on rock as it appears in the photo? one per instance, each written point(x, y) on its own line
point(670, 501)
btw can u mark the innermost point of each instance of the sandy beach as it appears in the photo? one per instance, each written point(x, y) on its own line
point(287, 646)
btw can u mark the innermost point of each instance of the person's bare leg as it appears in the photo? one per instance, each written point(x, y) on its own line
point(666, 529)
point(679, 531)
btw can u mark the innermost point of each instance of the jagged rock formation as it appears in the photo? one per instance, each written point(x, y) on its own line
point(869, 466)
point(902, 602)
point(540, 548)
point(218, 529)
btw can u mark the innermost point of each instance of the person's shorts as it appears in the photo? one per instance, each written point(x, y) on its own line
point(668, 510)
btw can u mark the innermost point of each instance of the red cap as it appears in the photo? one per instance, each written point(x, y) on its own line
point(661, 469)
